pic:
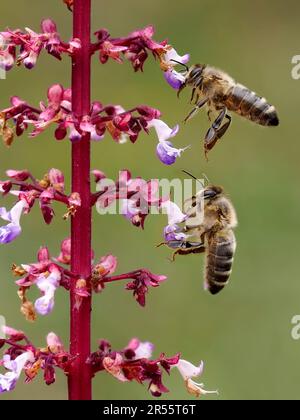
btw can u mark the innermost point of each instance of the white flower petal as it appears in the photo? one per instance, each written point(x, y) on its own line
point(188, 370)
point(144, 350)
point(174, 213)
point(163, 131)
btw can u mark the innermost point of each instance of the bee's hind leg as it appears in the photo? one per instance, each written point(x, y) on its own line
point(194, 250)
point(217, 130)
point(194, 111)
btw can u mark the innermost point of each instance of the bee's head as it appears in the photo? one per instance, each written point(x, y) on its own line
point(194, 74)
point(212, 192)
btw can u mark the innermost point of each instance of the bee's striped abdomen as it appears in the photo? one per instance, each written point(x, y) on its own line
point(219, 260)
point(249, 105)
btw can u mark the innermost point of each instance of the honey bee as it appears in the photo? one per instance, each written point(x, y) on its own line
point(220, 93)
point(214, 236)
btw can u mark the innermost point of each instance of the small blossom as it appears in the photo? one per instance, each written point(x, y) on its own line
point(135, 47)
point(175, 215)
point(98, 175)
point(13, 334)
point(174, 79)
point(143, 279)
point(164, 132)
point(114, 367)
point(57, 179)
point(54, 343)
point(167, 153)
point(18, 175)
point(48, 286)
point(168, 61)
point(165, 150)
point(106, 266)
point(65, 254)
point(174, 233)
point(138, 350)
point(9, 380)
point(13, 229)
point(189, 371)
point(172, 58)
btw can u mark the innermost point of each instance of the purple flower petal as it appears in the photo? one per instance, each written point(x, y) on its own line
point(174, 79)
point(9, 233)
point(167, 153)
point(45, 304)
point(174, 233)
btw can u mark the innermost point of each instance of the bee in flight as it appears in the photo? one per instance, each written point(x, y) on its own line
point(214, 235)
point(217, 90)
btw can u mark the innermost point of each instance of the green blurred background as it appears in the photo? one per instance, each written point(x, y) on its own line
point(243, 334)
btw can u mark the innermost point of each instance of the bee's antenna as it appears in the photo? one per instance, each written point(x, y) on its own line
point(206, 178)
point(192, 176)
point(181, 64)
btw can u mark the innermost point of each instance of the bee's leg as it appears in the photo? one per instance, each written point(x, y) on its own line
point(196, 250)
point(193, 95)
point(209, 112)
point(162, 244)
point(217, 130)
point(194, 111)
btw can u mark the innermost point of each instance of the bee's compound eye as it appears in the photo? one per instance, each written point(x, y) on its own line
point(209, 194)
point(195, 73)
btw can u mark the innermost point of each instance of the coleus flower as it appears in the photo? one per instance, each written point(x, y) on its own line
point(165, 150)
point(142, 279)
point(21, 355)
point(137, 195)
point(13, 229)
point(120, 124)
point(15, 367)
point(134, 363)
point(168, 62)
point(46, 190)
point(173, 232)
point(25, 47)
point(135, 47)
point(47, 275)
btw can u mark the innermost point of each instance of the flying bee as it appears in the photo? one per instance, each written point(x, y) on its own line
point(214, 236)
point(220, 93)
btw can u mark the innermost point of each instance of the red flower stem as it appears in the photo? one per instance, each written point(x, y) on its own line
point(60, 197)
point(80, 377)
point(126, 276)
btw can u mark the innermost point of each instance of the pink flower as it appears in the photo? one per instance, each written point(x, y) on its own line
point(54, 343)
point(138, 350)
point(135, 47)
point(65, 254)
point(25, 47)
point(143, 279)
point(13, 334)
point(106, 266)
point(18, 175)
